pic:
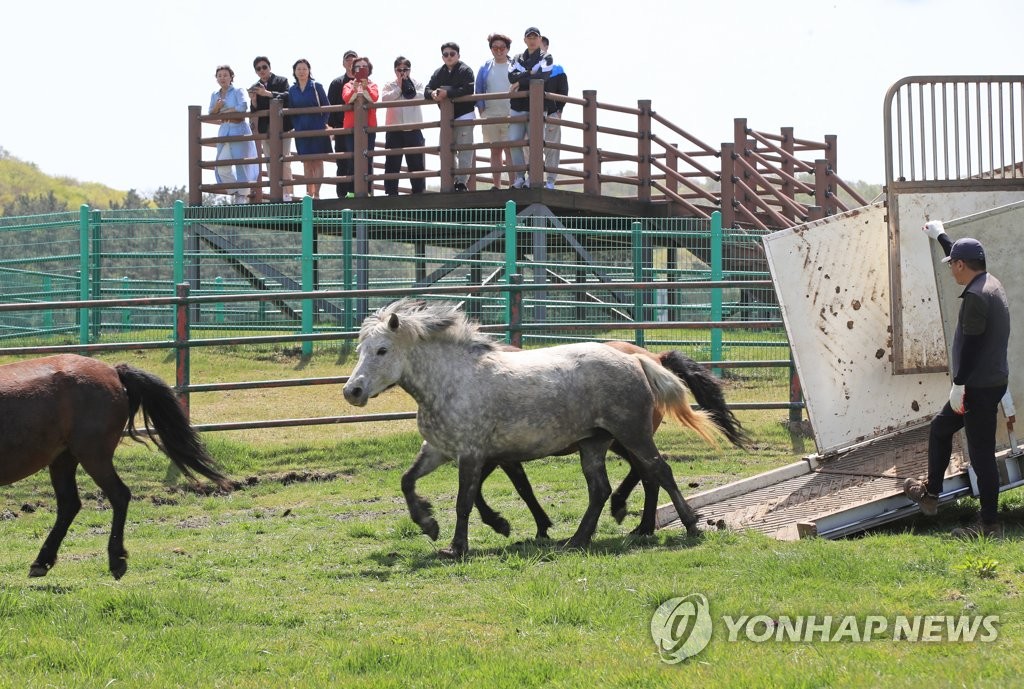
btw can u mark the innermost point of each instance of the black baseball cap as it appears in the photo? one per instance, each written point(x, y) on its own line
point(966, 249)
point(532, 29)
point(348, 54)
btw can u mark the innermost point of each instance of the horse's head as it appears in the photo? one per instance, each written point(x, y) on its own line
point(380, 362)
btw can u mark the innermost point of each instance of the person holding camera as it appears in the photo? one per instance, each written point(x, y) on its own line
point(357, 91)
point(403, 87)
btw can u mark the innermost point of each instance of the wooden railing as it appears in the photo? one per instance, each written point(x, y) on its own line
point(758, 180)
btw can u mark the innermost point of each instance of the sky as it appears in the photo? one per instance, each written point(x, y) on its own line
point(113, 79)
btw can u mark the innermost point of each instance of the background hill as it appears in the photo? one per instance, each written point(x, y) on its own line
point(27, 190)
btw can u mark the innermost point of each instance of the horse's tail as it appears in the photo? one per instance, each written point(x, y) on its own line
point(670, 395)
point(176, 437)
point(707, 392)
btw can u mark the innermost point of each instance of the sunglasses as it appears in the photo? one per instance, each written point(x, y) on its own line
point(403, 70)
point(449, 53)
point(263, 68)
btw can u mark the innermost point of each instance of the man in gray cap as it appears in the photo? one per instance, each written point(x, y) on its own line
point(978, 364)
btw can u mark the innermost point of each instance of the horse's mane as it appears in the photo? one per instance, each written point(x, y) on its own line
point(421, 320)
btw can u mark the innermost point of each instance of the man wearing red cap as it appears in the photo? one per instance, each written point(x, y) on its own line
point(978, 364)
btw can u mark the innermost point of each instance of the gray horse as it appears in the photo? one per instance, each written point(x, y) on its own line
point(481, 404)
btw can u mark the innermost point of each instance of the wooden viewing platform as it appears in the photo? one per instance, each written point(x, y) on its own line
point(758, 180)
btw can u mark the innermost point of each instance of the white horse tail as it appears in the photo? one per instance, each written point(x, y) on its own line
point(670, 396)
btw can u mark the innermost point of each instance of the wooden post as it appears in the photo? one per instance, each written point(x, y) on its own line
point(195, 156)
point(445, 141)
point(360, 144)
point(535, 127)
point(643, 150)
point(275, 151)
point(591, 155)
point(728, 192)
point(739, 139)
point(788, 167)
point(821, 185)
point(832, 156)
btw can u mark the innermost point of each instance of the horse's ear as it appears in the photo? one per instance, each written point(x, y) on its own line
point(393, 322)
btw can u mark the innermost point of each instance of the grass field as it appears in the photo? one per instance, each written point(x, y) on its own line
point(312, 575)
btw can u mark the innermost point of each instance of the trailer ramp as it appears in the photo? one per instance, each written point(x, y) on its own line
point(830, 496)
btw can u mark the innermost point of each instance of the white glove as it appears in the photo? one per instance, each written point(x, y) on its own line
point(956, 398)
point(1007, 402)
point(933, 228)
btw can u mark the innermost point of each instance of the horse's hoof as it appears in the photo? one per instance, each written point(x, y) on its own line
point(619, 512)
point(37, 569)
point(692, 531)
point(451, 553)
point(542, 535)
point(574, 544)
point(642, 530)
point(119, 568)
point(502, 526)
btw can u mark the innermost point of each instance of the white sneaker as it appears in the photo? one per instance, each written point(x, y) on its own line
point(519, 183)
point(287, 198)
point(549, 185)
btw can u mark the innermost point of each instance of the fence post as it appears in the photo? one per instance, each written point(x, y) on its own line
point(126, 312)
point(591, 155)
point(643, 151)
point(515, 310)
point(83, 272)
point(535, 132)
point(182, 361)
point(739, 134)
point(821, 191)
point(716, 292)
point(96, 267)
point(179, 241)
point(275, 151)
point(796, 393)
point(195, 156)
point(636, 240)
point(511, 255)
point(788, 167)
point(307, 272)
point(728, 186)
point(348, 320)
point(360, 145)
point(445, 141)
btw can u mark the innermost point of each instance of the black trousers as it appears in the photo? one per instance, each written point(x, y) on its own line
point(413, 161)
point(979, 423)
point(346, 144)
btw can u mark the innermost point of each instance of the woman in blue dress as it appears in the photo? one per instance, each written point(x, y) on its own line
point(308, 93)
point(228, 99)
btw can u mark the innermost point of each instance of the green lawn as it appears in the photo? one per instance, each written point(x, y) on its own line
point(311, 575)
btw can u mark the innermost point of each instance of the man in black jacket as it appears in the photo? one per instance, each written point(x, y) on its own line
point(268, 87)
point(451, 80)
point(979, 367)
point(342, 142)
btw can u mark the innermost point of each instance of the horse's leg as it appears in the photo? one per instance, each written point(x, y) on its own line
point(62, 476)
point(428, 459)
point(488, 515)
point(621, 494)
point(592, 456)
point(657, 469)
point(470, 469)
point(517, 474)
point(101, 469)
point(647, 519)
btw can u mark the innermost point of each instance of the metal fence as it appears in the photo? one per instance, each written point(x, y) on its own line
point(287, 270)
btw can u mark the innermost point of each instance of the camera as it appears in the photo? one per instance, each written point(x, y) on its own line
point(362, 72)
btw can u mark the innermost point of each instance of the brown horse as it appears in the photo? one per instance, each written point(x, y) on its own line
point(66, 410)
